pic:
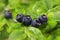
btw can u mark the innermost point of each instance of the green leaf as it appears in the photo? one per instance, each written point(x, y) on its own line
point(35, 33)
point(56, 32)
point(35, 9)
point(17, 35)
point(51, 24)
point(39, 8)
point(51, 21)
point(4, 34)
point(48, 4)
point(55, 12)
point(25, 33)
point(55, 35)
point(57, 38)
point(14, 4)
point(56, 2)
point(2, 5)
point(13, 25)
point(2, 22)
point(53, 16)
point(50, 37)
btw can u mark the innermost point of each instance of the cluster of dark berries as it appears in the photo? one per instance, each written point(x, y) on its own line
point(41, 20)
point(27, 20)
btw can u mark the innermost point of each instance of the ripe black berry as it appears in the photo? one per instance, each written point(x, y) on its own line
point(36, 23)
point(43, 19)
point(19, 17)
point(27, 20)
point(8, 15)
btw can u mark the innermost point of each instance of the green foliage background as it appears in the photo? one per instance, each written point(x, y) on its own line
point(11, 30)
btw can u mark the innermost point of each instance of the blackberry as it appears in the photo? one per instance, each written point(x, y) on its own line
point(8, 15)
point(19, 17)
point(43, 19)
point(27, 20)
point(36, 23)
